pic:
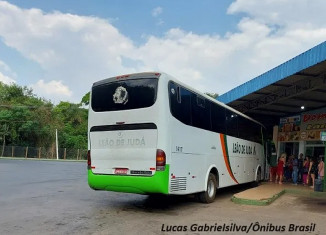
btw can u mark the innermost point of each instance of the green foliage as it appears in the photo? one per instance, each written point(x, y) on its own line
point(32, 121)
point(85, 99)
point(4, 131)
point(73, 121)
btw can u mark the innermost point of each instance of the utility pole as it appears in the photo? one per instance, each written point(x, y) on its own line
point(56, 143)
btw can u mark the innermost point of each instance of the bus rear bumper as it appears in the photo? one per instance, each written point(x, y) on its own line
point(158, 183)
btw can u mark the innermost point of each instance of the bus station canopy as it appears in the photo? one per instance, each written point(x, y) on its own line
point(296, 86)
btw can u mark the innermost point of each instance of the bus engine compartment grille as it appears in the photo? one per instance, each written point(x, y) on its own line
point(178, 184)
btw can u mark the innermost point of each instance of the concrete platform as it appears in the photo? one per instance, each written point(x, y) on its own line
point(268, 192)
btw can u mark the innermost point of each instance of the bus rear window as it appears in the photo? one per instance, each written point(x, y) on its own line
point(124, 95)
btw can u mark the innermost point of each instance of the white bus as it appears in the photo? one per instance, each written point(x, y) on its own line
point(151, 134)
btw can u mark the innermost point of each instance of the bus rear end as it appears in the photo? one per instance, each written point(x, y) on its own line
point(123, 136)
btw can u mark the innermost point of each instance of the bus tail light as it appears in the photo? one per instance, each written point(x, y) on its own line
point(160, 160)
point(89, 161)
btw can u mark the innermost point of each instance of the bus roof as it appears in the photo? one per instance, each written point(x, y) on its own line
point(212, 99)
point(128, 76)
point(158, 75)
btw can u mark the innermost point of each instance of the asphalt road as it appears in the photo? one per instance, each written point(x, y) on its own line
point(49, 197)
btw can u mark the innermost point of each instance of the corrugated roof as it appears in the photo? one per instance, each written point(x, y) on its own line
point(303, 61)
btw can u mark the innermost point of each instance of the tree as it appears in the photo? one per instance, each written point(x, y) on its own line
point(32, 121)
point(4, 131)
point(27, 115)
point(85, 99)
point(73, 125)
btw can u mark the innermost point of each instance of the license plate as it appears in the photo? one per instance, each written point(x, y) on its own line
point(121, 171)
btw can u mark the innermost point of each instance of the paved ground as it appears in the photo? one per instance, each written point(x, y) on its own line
point(47, 197)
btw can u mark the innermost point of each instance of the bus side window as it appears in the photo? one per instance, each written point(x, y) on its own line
point(218, 118)
point(200, 112)
point(201, 101)
point(249, 130)
point(185, 106)
point(231, 123)
point(178, 95)
point(180, 103)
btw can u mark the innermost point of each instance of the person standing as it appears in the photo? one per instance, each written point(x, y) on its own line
point(280, 170)
point(300, 168)
point(295, 170)
point(306, 164)
point(288, 168)
point(321, 168)
point(272, 173)
point(313, 171)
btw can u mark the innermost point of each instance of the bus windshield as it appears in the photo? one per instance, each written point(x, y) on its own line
point(124, 95)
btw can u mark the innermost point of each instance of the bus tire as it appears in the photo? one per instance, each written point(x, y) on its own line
point(208, 196)
point(258, 177)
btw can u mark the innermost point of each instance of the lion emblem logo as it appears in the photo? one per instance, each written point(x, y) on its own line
point(120, 95)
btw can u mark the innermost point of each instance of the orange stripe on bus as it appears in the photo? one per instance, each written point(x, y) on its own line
point(226, 158)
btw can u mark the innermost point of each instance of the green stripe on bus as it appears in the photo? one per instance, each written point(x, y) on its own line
point(158, 183)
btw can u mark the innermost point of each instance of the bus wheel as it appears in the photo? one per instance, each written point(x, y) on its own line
point(258, 177)
point(208, 195)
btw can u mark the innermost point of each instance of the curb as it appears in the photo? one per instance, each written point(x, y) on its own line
point(42, 159)
point(268, 201)
point(313, 194)
point(262, 202)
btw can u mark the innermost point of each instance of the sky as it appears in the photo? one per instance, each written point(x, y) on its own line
point(60, 48)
